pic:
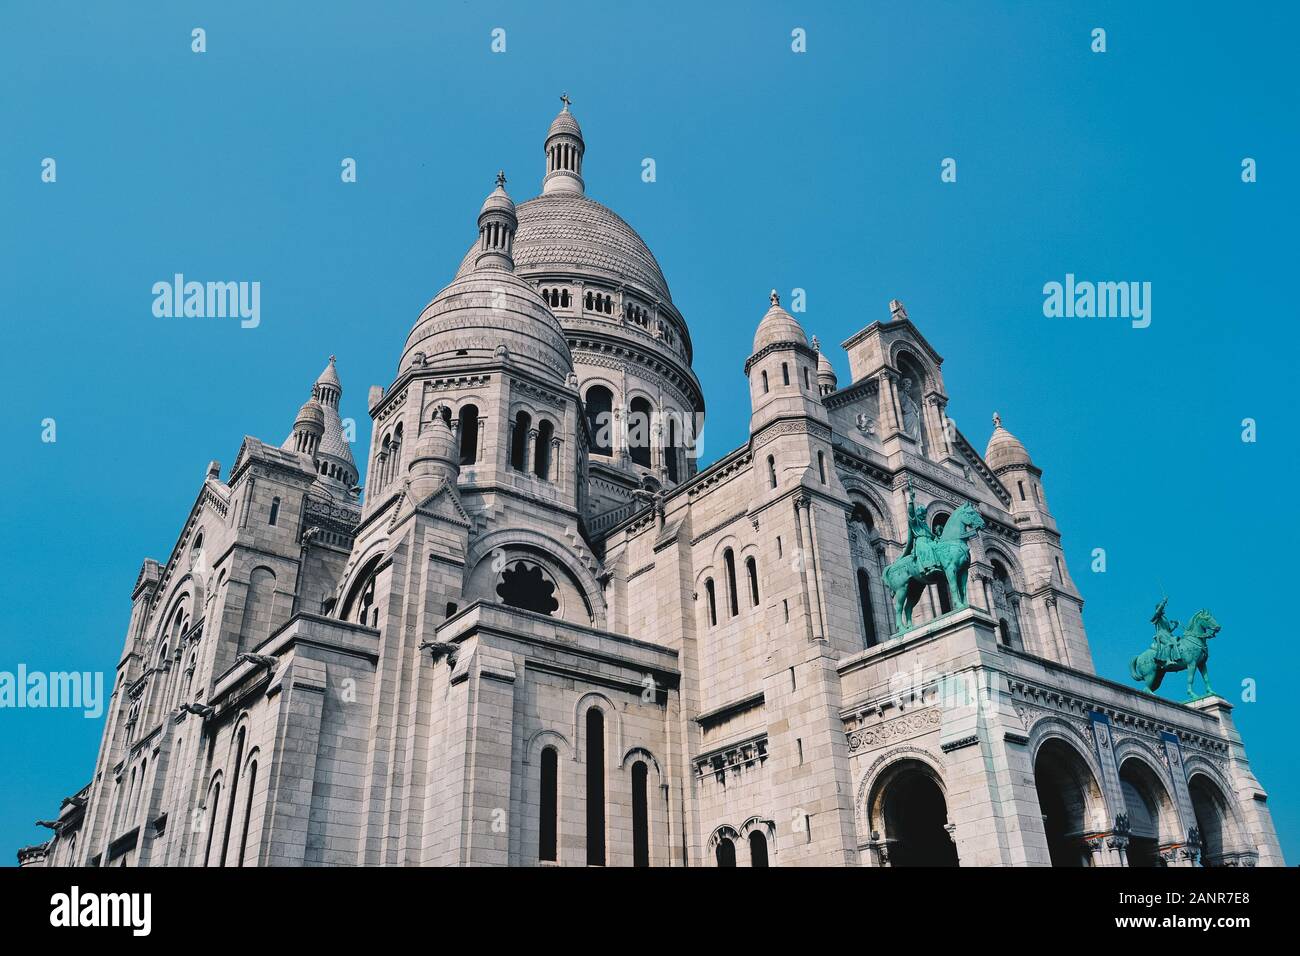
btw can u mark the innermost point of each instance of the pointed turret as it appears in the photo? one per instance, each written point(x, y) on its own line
point(564, 149)
point(318, 432)
point(826, 380)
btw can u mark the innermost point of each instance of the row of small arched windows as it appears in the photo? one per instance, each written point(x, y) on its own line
point(245, 778)
point(540, 465)
point(556, 298)
point(724, 854)
point(598, 302)
point(785, 378)
point(732, 596)
point(771, 469)
point(549, 803)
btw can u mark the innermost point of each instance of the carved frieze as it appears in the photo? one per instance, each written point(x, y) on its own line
point(890, 731)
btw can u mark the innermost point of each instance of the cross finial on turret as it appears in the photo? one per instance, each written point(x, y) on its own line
point(774, 298)
point(997, 420)
point(331, 359)
point(501, 178)
point(564, 98)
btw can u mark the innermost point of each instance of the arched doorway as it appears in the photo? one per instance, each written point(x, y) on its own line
point(1215, 821)
point(1151, 816)
point(911, 812)
point(1068, 799)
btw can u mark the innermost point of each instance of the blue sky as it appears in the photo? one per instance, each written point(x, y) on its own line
point(818, 170)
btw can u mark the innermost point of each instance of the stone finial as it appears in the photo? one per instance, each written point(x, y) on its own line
point(774, 297)
point(501, 178)
point(896, 309)
point(997, 420)
point(214, 469)
point(817, 346)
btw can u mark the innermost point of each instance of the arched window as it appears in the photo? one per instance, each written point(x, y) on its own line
point(1004, 631)
point(595, 787)
point(752, 567)
point(785, 373)
point(564, 298)
point(547, 842)
point(255, 624)
point(600, 418)
point(248, 813)
point(821, 466)
point(670, 450)
point(383, 460)
point(640, 815)
point(587, 301)
point(712, 597)
point(941, 585)
point(519, 441)
point(542, 453)
point(864, 599)
point(638, 430)
point(395, 467)
point(771, 471)
point(805, 379)
point(359, 605)
point(757, 848)
point(729, 560)
point(468, 428)
point(234, 794)
point(725, 854)
point(275, 511)
point(765, 383)
point(214, 803)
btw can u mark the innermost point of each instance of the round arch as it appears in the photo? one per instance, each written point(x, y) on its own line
point(554, 554)
point(1152, 818)
point(1217, 821)
point(1069, 799)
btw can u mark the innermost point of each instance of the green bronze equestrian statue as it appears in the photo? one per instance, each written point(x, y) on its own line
point(927, 560)
point(1189, 652)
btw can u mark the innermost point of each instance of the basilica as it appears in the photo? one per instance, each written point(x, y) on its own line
point(544, 635)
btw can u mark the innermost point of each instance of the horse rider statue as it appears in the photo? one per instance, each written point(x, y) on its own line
point(1164, 643)
point(920, 539)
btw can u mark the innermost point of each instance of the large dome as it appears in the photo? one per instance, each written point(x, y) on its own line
point(478, 312)
point(567, 231)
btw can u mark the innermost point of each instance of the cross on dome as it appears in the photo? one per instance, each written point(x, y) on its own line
point(564, 98)
point(774, 297)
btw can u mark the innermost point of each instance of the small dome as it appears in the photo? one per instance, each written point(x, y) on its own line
point(312, 414)
point(437, 441)
point(824, 368)
point(479, 315)
point(499, 200)
point(778, 327)
point(1004, 449)
point(564, 123)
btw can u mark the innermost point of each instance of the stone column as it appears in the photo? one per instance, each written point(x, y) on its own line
point(891, 417)
point(812, 589)
point(529, 444)
point(933, 423)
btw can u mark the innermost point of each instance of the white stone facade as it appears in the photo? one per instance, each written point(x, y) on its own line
point(544, 637)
